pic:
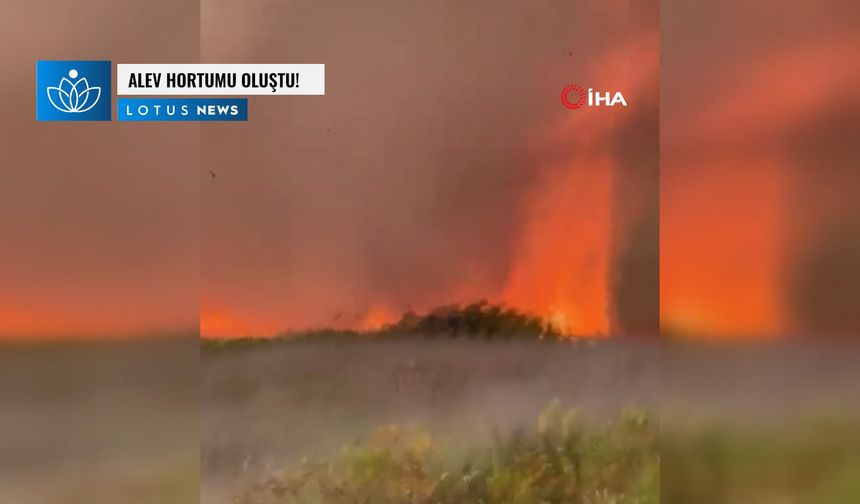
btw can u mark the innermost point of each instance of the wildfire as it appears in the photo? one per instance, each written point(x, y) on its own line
point(563, 260)
point(375, 318)
point(562, 257)
point(727, 183)
point(722, 260)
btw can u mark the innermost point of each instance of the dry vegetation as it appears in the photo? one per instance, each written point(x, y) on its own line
point(559, 461)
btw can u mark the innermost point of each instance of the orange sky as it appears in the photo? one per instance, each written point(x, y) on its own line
point(98, 221)
point(458, 183)
point(735, 202)
point(465, 185)
point(467, 180)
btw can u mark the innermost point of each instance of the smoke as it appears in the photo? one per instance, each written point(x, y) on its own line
point(428, 172)
point(99, 221)
point(757, 166)
point(635, 275)
point(440, 167)
point(824, 267)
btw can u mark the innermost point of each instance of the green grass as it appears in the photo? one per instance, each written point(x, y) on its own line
point(564, 460)
point(560, 460)
point(796, 462)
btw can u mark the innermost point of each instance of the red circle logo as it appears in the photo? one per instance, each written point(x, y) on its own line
point(565, 96)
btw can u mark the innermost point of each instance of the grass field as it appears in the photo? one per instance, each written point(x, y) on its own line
point(438, 420)
point(457, 420)
point(268, 406)
point(558, 460)
point(798, 461)
point(99, 422)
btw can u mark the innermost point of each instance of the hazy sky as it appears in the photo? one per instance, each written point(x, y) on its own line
point(99, 222)
point(758, 175)
point(439, 167)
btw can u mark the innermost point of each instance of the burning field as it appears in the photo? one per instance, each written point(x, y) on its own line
point(364, 229)
point(462, 182)
point(330, 252)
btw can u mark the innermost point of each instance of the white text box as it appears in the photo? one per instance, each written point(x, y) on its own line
point(212, 79)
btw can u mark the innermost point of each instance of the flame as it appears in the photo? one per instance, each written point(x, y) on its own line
point(727, 179)
point(217, 324)
point(561, 268)
point(375, 318)
point(722, 258)
point(63, 322)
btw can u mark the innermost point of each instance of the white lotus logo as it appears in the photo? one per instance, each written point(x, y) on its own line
point(74, 97)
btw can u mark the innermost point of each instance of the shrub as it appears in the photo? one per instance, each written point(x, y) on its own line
point(563, 460)
point(479, 319)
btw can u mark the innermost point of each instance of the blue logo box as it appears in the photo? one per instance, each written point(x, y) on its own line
point(73, 90)
point(182, 109)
